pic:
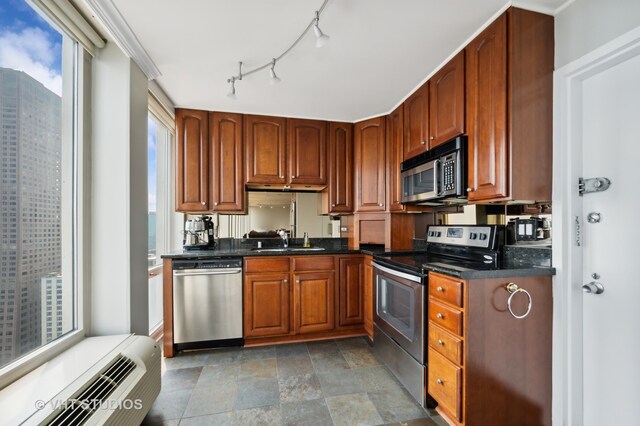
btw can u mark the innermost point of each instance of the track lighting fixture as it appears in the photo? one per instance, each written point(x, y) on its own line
point(232, 92)
point(321, 40)
point(274, 78)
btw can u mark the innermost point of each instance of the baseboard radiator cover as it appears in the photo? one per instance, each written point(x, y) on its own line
point(118, 390)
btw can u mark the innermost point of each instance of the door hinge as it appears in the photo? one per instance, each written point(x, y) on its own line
point(598, 184)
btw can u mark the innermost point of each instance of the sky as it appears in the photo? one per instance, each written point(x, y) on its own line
point(28, 43)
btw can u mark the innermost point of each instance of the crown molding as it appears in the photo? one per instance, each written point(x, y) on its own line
point(124, 36)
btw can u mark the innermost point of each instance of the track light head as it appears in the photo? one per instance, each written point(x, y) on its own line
point(232, 91)
point(274, 79)
point(321, 38)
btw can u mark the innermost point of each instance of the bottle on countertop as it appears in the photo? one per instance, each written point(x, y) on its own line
point(306, 242)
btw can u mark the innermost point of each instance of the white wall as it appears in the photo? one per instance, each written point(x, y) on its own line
point(119, 287)
point(587, 24)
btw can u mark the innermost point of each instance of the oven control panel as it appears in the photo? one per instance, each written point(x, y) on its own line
point(462, 235)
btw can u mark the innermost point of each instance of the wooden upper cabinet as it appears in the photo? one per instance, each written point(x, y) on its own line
point(487, 112)
point(227, 162)
point(416, 122)
point(369, 159)
point(509, 89)
point(395, 124)
point(338, 196)
point(446, 102)
point(192, 161)
point(265, 149)
point(307, 148)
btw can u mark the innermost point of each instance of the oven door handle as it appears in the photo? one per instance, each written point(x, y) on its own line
point(404, 275)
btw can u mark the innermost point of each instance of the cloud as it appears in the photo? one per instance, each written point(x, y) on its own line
point(30, 50)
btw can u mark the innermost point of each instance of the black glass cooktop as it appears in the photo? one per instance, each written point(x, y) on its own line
point(416, 263)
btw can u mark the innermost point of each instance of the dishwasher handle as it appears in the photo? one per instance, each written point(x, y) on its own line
point(192, 272)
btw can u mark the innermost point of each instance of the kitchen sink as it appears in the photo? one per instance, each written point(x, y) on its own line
point(286, 250)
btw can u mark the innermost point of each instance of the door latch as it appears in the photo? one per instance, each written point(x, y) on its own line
point(598, 184)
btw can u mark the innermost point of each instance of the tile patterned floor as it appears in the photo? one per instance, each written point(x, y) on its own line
point(337, 382)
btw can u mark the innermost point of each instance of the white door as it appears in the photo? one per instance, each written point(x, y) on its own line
point(611, 248)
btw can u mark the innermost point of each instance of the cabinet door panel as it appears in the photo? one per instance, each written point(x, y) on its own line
point(368, 296)
point(340, 188)
point(369, 147)
point(416, 122)
point(314, 295)
point(351, 310)
point(265, 149)
point(446, 102)
point(266, 304)
point(227, 162)
point(192, 161)
point(395, 134)
point(307, 147)
point(487, 113)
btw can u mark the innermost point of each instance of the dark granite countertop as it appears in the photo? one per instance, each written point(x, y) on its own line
point(506, 270)
point(247, 247)
point(516, 262)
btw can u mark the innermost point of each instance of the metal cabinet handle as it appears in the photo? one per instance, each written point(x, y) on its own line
point(215, 204)
point(431, 138)
point(380, 204)
point(439, 315)
point(285, 281)
point(439, 381)
point(204, 203)
point(293, 177)
point(440, 289)
point(333, 205)
point(469, 189)
point(440, 342)
point(281, 177)
point(297, 281)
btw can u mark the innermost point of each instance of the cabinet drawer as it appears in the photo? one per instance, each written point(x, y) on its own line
point(313, 263)
point(446, 317)
point(266, 264)
point(446, 289)
point(445, 383)
point(445, 343)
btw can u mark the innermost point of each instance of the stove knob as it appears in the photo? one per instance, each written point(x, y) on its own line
point(483, 237)
point(473, 236)
point(438, 233)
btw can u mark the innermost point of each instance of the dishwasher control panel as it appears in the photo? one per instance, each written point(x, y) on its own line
point(208, 264)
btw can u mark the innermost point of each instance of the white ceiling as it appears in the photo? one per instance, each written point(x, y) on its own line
point(379, 52)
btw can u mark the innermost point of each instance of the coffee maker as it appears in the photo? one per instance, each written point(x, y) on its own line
point(199, 234)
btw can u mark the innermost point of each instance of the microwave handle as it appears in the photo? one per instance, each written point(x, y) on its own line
point(436, 177)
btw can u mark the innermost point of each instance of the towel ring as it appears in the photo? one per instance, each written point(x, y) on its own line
point(514, 289)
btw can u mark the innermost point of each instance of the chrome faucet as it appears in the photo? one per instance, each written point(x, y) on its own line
point(285, 237)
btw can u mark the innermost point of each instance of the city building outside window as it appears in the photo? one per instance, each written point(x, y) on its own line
point(37, 193)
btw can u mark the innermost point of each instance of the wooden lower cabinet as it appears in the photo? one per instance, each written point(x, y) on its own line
point(351, 284)
point(368, 295)
point(486, 367)
point(267, 304)
point(314, 301)
point(300, 298)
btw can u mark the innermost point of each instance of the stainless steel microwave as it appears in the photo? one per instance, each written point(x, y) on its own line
point(436, 176)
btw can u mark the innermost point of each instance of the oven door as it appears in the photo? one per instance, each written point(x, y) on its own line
point(399, 307)
point(421, 182)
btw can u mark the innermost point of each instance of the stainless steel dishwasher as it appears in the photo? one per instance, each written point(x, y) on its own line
point(207, 302)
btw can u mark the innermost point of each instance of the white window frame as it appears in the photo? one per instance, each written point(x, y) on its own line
point(76, 89)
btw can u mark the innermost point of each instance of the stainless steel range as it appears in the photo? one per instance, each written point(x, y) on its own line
point(400, 311)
